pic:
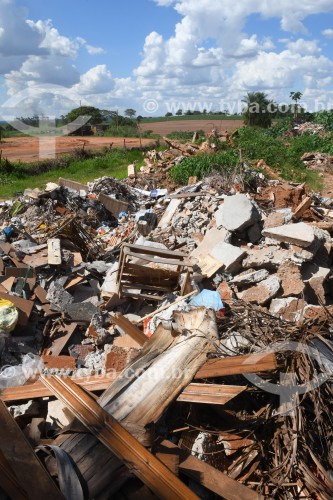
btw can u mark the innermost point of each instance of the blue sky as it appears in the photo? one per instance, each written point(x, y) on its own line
point(159, 55)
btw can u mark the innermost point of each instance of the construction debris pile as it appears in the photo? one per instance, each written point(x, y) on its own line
point(166, 342)
point(308, 128)
point(318, 161)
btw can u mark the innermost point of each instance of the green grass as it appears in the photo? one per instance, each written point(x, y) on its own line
point(282, 154)
point(204, 164)
point(186, 136)
point(113, 164)
point(207, 117)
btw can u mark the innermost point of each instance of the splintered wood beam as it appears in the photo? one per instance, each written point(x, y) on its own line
point(32, 476)
point(117, 439)
point(237, 365)
point(204, 474)
point(133, 331)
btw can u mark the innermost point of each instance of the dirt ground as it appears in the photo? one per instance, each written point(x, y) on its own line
point(26, 149)
point(164, 128)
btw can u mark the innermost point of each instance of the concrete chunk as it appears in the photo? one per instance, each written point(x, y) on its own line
point(271, 256)
point(291, 280)
point(250, 278)
point(237, 213)
point(229, 255)
point(289, 308)
point(297, 234)
point(263, 292)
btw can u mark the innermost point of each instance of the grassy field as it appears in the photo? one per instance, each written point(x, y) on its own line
point(114, 164)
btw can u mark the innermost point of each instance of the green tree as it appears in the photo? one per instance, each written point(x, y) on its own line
point(168, 114)
point(259, 110)
point(130, 112)
point(139, 118)
point(179, 112)
point(94, 113)
point(296, 96)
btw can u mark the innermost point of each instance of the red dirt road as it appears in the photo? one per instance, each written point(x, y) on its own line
point(26, 149)
point(164, 128)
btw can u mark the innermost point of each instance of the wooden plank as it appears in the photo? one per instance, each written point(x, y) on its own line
point(75, 281)
point(8, 283)
point(112, 205)
point(204, 474)
point(140, 295)
point(164, 274)
point(9, 482)
point(117, 439)
point(60, 340)
point(158, 252)
point(169, 213)
point(133, 331)
point(41, 295)
point(187, 195)
point(160, 260)
point(210, 393)
point(132, 283)
point(77, 186)
point(54, 252)
point(216, 481)
point(302, 207)
point(33, 477)
point(38, 389)
point(237, 365)
point(219, 394)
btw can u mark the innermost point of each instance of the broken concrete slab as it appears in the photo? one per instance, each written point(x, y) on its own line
point(58, 297)
point(270, 257)
point(262, 292)
point(81, 312)
point(237, 213)
point(297, 234)
point(288, 308)
point(291, 279)
point(277, 218)
point(315, 279)
point(250, 277)
point(212, 237)
point(230, 256)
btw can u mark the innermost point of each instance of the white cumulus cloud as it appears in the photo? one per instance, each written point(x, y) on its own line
point(97, 80)
point(328, 33)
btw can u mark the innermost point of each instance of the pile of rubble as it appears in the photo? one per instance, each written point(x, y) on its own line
point(318, 161)
point(308, 128)
point(165, 303)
